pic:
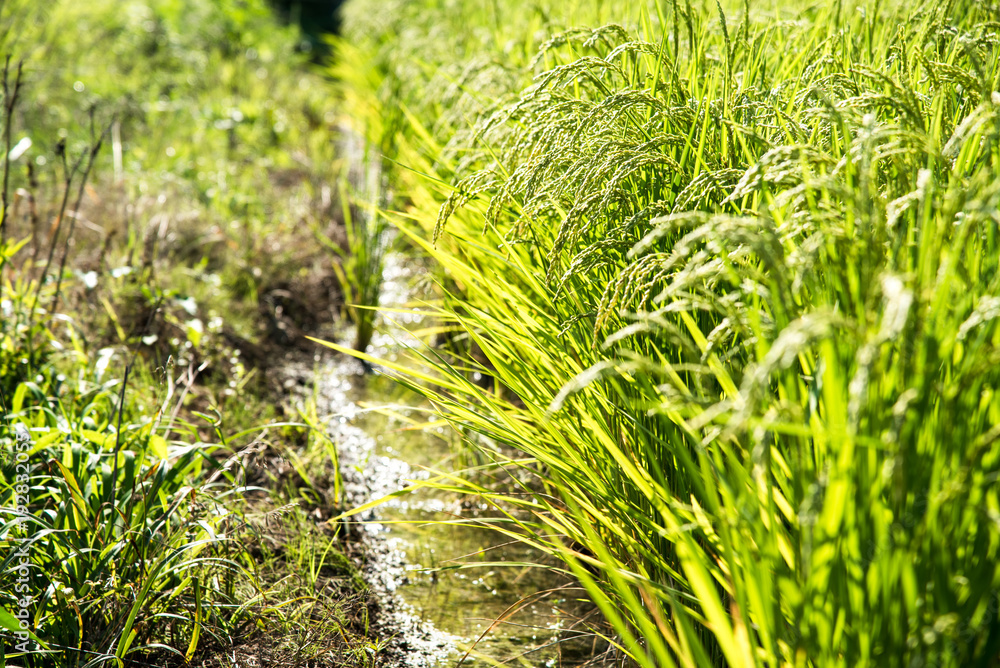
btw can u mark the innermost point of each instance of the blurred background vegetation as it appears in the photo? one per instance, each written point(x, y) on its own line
point(318, 19)
point(171, 165)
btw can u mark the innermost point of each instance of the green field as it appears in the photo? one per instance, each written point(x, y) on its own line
point(713, 318)
point(732, 269)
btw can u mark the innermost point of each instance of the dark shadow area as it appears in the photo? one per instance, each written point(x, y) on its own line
point(315, 18)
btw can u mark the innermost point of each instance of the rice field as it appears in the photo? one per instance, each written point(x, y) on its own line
point(730, 270)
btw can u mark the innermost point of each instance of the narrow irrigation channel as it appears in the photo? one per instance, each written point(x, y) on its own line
point(437, 606)
point(444, 591)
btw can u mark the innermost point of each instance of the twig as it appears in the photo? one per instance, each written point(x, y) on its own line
point(68, 175)
point(33, 211)
point(9, 102)
point(94, 149)
point(191, 375)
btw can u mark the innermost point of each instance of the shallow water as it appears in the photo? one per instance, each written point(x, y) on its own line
point(437, 602)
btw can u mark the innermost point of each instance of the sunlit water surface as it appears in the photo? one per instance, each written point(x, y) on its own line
point(443, 588)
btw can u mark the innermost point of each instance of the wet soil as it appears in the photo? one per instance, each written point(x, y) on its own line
point(444, 591)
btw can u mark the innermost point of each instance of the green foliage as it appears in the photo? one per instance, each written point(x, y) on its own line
point(121, 534)
point(324, 612)
point(736, 281)
point(214, 145)
point(361, 263)
point(218, 141)
point(23, 344)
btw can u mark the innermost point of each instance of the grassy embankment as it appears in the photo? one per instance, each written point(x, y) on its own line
point(173, 163)
point(733, 269)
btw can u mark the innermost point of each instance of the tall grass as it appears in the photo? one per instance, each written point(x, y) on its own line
point(734, 270)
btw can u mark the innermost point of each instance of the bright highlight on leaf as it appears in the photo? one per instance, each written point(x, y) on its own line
point(731, 269)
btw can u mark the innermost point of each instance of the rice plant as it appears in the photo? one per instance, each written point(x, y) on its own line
point(734, 270)
point(359, 271)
